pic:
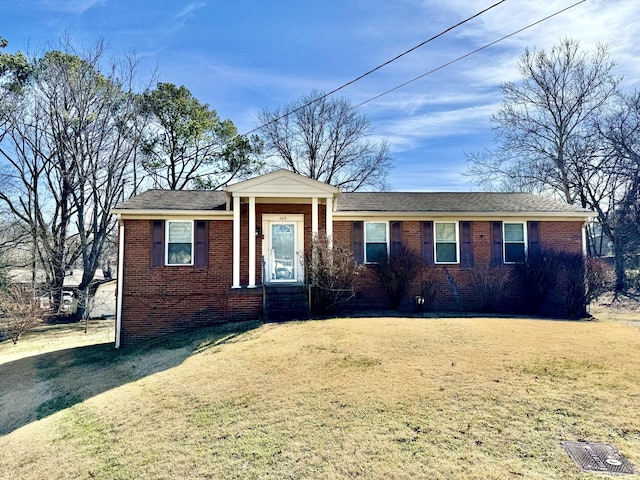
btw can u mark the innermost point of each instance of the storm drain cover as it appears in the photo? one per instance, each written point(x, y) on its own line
point(598, 457)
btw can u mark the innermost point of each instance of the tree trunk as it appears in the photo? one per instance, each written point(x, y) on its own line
point(618, 262)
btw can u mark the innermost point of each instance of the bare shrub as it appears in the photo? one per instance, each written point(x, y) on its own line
point(429, 280)
point(397, 271)
point(587, 279)
point(488, 284)
point(332, 273)
point(538, 275)
point(20, 312)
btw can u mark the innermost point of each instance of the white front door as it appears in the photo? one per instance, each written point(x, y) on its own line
point(283, 245)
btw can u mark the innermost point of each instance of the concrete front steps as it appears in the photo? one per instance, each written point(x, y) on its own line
point(286, 302)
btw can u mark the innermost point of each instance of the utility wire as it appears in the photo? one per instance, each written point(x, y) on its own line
point(469, 54)
point(378, 67)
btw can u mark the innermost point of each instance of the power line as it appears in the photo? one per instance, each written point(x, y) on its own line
point(469, 54)
point(378, 67)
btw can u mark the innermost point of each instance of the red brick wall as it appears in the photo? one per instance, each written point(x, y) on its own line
point(456, 285)
point(165, 299)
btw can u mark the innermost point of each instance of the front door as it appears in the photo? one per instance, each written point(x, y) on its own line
point(282, 263)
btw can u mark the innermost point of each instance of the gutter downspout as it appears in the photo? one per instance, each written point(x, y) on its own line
point(120, 281)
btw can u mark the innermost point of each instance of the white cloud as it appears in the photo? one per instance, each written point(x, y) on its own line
point(183, 16)
point(406, 132)
point(71, 6)
point(192, 7)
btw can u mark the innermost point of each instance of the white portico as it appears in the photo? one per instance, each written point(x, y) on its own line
point(282, 232)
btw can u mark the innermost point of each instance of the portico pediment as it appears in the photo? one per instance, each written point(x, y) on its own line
point(282, 184)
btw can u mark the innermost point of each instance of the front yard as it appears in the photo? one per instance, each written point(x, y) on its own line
point(450, 398)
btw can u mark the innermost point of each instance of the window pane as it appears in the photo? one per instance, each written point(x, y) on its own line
point(445, 232)
point(179, 253)
point(376, 252)
point(375, 232)
point(446, 252)
point(180, 232)
point(513, 232)
point(514, 252)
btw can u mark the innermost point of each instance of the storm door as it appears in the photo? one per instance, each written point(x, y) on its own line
point(282, 253)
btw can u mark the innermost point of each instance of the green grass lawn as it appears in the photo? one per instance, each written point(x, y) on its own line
point(450, 398)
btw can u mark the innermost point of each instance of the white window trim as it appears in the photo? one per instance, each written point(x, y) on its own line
point(435, 243)
point(365, 239)
point(166, 242)
point(504, 241)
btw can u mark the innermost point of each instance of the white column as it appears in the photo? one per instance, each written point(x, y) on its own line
point(314, 216)
point(236, 242)
point(252, 242)
point(329, 219)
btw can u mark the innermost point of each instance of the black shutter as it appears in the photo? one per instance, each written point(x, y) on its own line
point(396, 236)
point(357, 241)
point(427, 243)
point(157, 243)
point(496, 243)
point(202, 243)
point(466, 248)
point(533, 237)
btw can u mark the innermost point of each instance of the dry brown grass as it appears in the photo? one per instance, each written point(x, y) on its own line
point(450, 398)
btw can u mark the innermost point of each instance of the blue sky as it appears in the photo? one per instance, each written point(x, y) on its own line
point(243, 56)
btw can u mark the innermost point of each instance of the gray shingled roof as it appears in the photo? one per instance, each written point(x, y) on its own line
point(409, 202)
point(463, 202)
point(176, 200)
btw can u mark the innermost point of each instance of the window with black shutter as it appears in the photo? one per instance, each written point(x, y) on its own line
point(396, 236)
point(427, 243)
point(496, 243)
point(466, 246)
point(202, 243)
point(533, 237)
point(157, 243)
point(357, 241)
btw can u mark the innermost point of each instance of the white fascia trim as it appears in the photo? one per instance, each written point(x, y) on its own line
point(120, 284)
point(164, 214)
point(531, 216)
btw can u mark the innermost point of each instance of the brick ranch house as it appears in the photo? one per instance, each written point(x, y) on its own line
point(191, 258)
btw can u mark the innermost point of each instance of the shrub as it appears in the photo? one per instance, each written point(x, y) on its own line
point(20, 312)
point(488, 284)
point(397, 271)
point(587, 279)
point(332, 273)
point(538, 275)
point(428, 286)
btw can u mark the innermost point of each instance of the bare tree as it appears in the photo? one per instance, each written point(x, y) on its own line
point(68, 148)
point(328, 140)
point(621, 133)
point(544, 128)
point(560, 131)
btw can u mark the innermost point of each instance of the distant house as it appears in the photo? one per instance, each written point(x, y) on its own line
point(103, 303)
point(190, 258)
point(71, 282)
